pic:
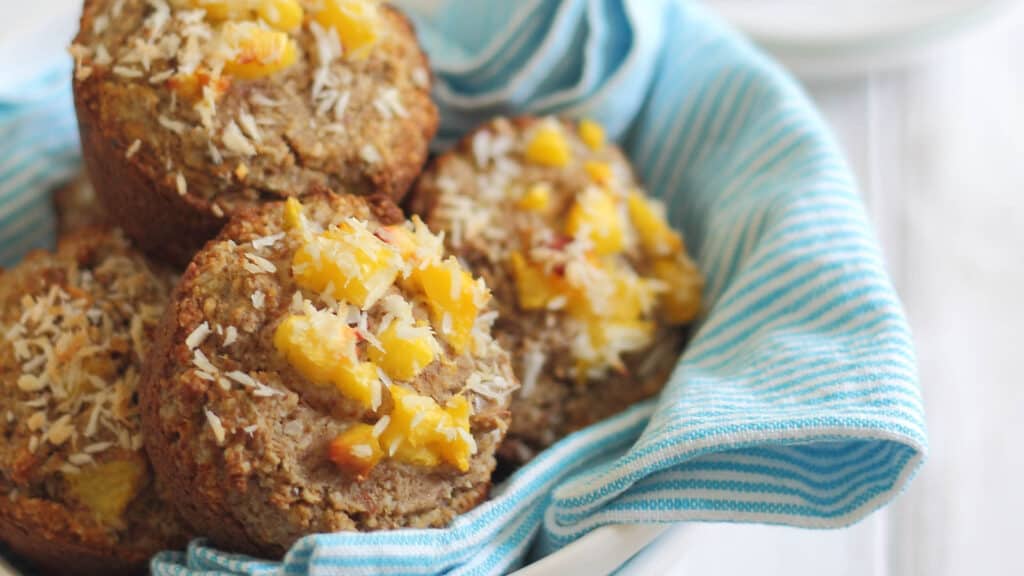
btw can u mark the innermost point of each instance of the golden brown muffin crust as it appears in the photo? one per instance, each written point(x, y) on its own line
point(78, 496)
point(172, 165)
point(245, 452)
point(475, 193)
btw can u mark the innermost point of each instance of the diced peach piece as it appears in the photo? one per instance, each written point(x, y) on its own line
point(684, 284)
point(536, 199)
point(407, 350)
point(595, 215)
point(257, 52)
point(535, 288)
point(548, 146)
point(599, 172)
point(294, 218)
point(592, 134)
point(422, 432)
point(285, 15)
point(648, 216)
point(355, 22)
point(322, 348)
point(190, 86)
point(220, 10)
point(357, 265)
point(454, 298)
point(356, 450)
point(107, 488)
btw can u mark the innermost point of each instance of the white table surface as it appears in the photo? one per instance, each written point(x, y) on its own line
point(938, 147)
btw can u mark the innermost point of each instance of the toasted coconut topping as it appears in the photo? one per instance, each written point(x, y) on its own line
point(557, 211)
point(77, 342)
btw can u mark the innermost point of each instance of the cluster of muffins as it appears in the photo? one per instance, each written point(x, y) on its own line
point(241, 336)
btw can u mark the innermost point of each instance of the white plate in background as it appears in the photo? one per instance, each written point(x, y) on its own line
point(839, 37)
point(33, 37)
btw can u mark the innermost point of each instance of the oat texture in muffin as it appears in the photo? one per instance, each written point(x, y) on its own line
point(78, 496)
point(325, 367)
point(191, 109)
point(591, 283)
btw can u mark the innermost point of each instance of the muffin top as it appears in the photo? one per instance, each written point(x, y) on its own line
point(231, 101)
point(555, 212)
point(326, 368)
point(590, 282)
point(76, 325)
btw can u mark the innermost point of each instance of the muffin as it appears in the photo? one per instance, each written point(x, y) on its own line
point(77, 206)
point(323, 367)
point(78, 493)
point(193, 109)
point(591, 284)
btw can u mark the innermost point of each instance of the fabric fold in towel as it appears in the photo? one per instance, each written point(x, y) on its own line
point(796, 401)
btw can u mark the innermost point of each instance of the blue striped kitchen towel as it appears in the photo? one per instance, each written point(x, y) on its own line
point(795, 403)
point(38, 150)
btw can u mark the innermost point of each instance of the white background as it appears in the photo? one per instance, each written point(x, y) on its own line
point(938, 147)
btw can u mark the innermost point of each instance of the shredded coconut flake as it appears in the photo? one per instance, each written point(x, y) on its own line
point(133, 148)
point(175, 126)
point(236, 142)
point(369, 154)
point(361, 451)
point(215, 426)
point(196, 338)
point(421, 78)
point(258, 265)
point(200, 361)
point(249, 126)
point(180, 183)
point(127, 72)
point(267, 241)
point(381, 426)
point(160, 77)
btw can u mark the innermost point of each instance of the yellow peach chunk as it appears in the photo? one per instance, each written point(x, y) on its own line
point(349, 261)
point(405, 350)
point(219, 10)
point(360, 382)
point(604, 341)
point(322, 348)
point(535, 288)
point(537, 198)
point(632, 298)
point(256, 52)
point(548, 146)
point(190, 86)
point(454, 298)
point(592, 134)
point(314, 345)
point(107, 488)
point(648, 217)
point(400, 237)
point(355, 22)
point(356, 450)
point(416, 244)
point(681, 300)
point(284, 15)
point(293, 215)
point(596, 217)
point(422, 432)
point(599, 172)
